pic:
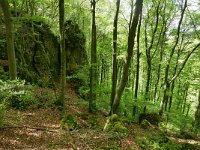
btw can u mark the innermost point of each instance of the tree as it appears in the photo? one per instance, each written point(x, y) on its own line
point(137, 67)
point(9, 39)
point(166, 80)
point(149, 54)
point(114, 59)
point(126, 66)
point(93, 63)
point(197, 114)
point(63, 54)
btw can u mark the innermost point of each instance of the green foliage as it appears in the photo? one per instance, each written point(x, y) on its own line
point(71, 122)
point(158, 141)
point(2, 113)
point(176, 120)
point(80, 81)
point(3, 75)
point(186, 134)
point(188, 146)
point(92, 122)
point(16, 94)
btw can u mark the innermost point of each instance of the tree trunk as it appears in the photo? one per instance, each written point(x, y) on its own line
point(63, 54)
point(93, 68)
point(162, 42)
point(197, 114)
point(137, 67)
point(148, 53)
point(9, 39)
point(185, 96)
point(114, 63)
point(166, 81)
point(131, 38)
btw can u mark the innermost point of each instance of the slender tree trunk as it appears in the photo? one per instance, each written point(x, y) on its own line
point(173, 82)
point(162, 40)
point(93, 69)
point(131, 38)
point(166, 81)
point(197, 114)
point(63, 54)
point(171, 96)
point(185, 96)
point(131, 15)
point(14, 7)
point(114, 63)
point(148, 53)
point(9, 39)
point(137, 67)
point(179, 96)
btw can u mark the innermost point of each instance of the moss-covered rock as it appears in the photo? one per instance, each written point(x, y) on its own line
point(186, 134)
point(145, 124)
point(38, 52)
point(152, 118)
point(119, 127)
point(114, 124)
point(71, 122)
point(75, 47)
point(36, 49)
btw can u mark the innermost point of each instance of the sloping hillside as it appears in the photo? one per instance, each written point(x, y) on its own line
point(40, 128)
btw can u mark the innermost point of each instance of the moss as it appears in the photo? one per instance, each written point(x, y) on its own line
point(120, 128)
point(75, 47)
point(152, 118)
point(114, 124)
point(92, 122)
point(37, 49)
point(110, 122)
point(114, 118)
point(145, 124)
point(186, 134)
point(70, 120)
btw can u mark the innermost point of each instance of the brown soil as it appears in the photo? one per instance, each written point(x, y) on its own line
point(39, 128)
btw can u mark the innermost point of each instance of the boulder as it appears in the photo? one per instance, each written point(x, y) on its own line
point(38, 51)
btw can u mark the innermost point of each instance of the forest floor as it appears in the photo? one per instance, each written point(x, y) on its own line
point(40, 129)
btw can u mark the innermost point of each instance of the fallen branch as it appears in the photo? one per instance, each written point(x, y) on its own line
point(36, 128)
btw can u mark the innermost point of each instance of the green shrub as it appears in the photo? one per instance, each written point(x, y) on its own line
point(15, 94)
point(70, 120)
point(2, 113)
point(3, 75)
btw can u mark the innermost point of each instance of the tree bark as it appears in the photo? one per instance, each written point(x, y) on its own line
point(114, 63)
point(148, 53)
point(162, 42)
point(9, 39)
point(93, 68)
point(63, 54)
point(137, 67)
point(126, 66)
point(167, 68)
point(186, 88)
point(197, 114)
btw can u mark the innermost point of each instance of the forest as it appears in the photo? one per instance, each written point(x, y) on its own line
point(100, 74)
